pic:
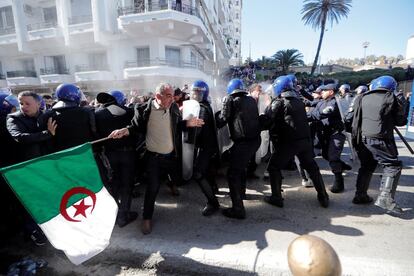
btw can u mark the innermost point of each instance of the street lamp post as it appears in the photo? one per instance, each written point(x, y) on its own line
point(365, 46)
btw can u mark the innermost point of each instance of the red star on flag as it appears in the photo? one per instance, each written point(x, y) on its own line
point(81, 208)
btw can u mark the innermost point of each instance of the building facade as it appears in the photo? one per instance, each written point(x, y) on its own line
point(108, 44)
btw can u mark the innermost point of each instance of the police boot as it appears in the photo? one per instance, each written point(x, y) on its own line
point(323, 197)
point(212, 203)
point(385, 199)
point(362, 184)
point(276, 198)
point(338, 186)
point(237, 210)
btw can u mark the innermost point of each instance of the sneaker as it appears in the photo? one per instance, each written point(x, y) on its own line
point(209, 209)
point(38, 237)
point(266, 175)
point(307, 183)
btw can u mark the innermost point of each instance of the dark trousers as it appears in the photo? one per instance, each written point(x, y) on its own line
point(123, 166)
point(375, 151)
point(304, 151)
point(156, 165)
point(240, 154)
point(332, 146)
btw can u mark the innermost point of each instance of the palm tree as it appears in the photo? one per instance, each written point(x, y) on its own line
point(317, 12)
point(287, 58)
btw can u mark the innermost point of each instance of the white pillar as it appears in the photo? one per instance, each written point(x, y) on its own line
point(63, 11)
point(20, 25)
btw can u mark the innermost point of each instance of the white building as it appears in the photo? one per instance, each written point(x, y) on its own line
point(125, 44)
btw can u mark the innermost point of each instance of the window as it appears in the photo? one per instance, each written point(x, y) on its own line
point(237, 15)
point(55, 65)
point(173, 56)
point(28, 64)
point(97, 61)
point(6, 18)
point(143, 56)
point(193, 59)
point(49, 14)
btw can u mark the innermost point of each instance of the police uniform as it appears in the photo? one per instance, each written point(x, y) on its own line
point(332, 139)
point(376, 113)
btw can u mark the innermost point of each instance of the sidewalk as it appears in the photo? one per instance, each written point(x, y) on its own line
point(183, 242)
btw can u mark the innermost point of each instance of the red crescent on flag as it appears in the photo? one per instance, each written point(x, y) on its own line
point(69, 194)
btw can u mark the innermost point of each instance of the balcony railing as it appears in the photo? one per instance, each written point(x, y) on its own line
point(53, 71)
point(2, 77)
point(165, 62)
point(41, 25)
point(80, 19)
point(21, 73)
point(6, 31)
point(157, 6)
point(85, 68)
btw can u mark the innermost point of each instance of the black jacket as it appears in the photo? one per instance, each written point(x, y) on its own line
point(286, 119)
point(75, 125)
point(380, 112)
point(241, 114)
point(327, 112)
point(205, 136)
point(8, 146)
point(29, 134)
point(139, 123)
point(111, 117)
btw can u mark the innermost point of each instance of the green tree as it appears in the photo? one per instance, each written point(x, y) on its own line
point(317, 12)
point(287, 58)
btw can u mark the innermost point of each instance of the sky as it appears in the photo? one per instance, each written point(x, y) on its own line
point(272, 25)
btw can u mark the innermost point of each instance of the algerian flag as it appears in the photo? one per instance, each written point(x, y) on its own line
point(64, 194)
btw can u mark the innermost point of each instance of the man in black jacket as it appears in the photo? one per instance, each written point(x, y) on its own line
point(286, 120)
point(241, 114)
point(376, 113)
point(159, 120)
point(113, 114)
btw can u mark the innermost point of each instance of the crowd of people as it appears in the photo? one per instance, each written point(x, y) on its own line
point(147, 135)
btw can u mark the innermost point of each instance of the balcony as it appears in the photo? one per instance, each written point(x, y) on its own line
point(55, 75)
point(22, 77)
point(168, 19)
point(92, 73)
point(165, 68)
point(42, 30)
point(80, 24)
point(8, 35)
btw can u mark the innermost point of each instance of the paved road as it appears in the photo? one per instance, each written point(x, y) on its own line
point(183, 242)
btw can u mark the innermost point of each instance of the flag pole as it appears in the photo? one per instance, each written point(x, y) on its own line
point(100, 140)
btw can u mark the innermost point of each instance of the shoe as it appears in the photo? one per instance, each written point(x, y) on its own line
point(266, 175)
point(362, 199)
point(125, 219)
point(209, 209)
point(146, 226)
point(274, 201)
point(232, 213)
point(307, 183)
point(323, 200)
point(338, 186)
point(38, 237)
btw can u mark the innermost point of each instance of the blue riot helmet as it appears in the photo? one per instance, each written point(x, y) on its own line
point(42, 104)
point(384, 82)
point(5, 106)
point(282, 84)
point(68, 92)
point(200, 86)
point(293, 78)
point(361, 89)
point(12, 99)
point(119, 97)
point(235, 86)
point(344, 88)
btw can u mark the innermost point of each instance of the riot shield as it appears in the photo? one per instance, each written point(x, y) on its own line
point(343, 106)
point(191, 109)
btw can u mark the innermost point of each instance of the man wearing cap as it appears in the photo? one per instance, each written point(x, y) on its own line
point(332, 139)
point(113, 114)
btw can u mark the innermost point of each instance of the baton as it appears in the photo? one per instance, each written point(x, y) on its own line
point(405, 141)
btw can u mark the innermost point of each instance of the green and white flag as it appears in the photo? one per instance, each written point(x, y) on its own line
point(64, 194)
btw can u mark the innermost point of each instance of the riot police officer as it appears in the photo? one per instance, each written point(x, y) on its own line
point(206, 145)
point(332, 138)
point(76, 124)
point(286, 120)
point(376, 113)
point(113, 114)
point(241, 114)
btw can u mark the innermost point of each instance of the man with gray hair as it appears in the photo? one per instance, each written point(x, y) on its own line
point(159, 121)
